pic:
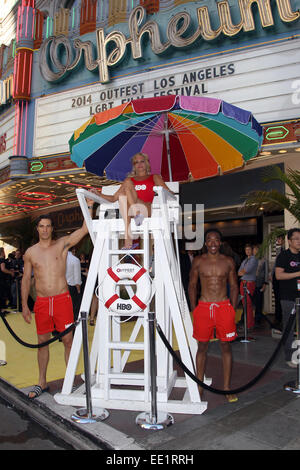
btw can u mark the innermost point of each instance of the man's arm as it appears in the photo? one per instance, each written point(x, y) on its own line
point(158, 180)
point(77, 235)
point(194, 276)
point(5, 270)
point(233, 283)
point(241, 270)
point(281, 275)
point(25, 287)
point(249, 266)
point(77, 275)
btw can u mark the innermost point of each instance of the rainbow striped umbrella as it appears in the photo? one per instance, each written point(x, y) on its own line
point(183, 136)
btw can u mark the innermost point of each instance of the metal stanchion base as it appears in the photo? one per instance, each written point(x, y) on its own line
point(82, 415)
point(292, 387)
point(145, 421)
point(3, 363)
point(249, 339)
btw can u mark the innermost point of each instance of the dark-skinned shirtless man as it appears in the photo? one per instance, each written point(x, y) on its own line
point(214, 310)
point(53, 306)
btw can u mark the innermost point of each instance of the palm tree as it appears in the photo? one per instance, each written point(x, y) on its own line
point(274, 200)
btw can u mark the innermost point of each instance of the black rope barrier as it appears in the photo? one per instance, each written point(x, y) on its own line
point(237, 390)
point(172, 352)
point(41, 345)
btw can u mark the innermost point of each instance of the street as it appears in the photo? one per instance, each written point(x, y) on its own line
point(18, 432)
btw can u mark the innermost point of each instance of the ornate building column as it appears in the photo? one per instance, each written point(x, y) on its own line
point(22, 83)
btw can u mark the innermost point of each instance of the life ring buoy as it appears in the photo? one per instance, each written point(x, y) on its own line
point(138, 302)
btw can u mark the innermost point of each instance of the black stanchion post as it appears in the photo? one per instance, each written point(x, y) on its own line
point(153, 420)
point(295, 385)
point(86, 415)
point(2, 353)
point(245, 338)
point(153, 371)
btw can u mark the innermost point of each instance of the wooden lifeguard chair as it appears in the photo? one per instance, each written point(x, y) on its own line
point(113, 385)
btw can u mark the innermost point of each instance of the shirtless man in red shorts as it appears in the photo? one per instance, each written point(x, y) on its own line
point(53, 306)
point(214, 310)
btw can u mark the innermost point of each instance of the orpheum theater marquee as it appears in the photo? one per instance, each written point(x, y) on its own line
point(176, 32)
point(229, 50)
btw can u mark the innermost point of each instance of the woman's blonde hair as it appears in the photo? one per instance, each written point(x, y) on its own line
point(148, 167)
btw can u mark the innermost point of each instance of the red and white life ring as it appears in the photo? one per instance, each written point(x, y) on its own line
point(138, 302)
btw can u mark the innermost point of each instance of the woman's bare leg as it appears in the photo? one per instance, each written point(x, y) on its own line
point(130, 206)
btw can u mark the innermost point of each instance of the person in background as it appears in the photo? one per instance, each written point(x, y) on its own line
point(186, 260)
point(9, 264)
point(18, 266)
point(279, 247)
point(287, 272)
point(84, 266)
point(261, 282)
point(73, 276)
point(228, 251)
point(247, 272)
point(5, 274)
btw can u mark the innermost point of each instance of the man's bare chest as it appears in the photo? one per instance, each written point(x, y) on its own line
point(48, 257)
point(215, 270)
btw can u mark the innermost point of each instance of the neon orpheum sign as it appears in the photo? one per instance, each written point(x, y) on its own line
point(53, 68)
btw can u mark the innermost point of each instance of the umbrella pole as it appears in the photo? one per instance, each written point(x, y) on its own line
point(167, 137)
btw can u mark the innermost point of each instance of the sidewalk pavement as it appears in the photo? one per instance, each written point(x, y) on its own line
point(265, 417)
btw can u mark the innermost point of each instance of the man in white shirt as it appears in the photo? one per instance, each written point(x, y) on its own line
point(73, 276)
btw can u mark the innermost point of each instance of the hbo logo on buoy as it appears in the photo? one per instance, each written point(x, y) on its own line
point(124, 307)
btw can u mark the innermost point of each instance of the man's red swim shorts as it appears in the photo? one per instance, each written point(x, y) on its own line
point(53, 313)
point(208, 316)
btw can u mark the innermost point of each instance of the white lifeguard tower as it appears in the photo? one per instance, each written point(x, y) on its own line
point(113, 385)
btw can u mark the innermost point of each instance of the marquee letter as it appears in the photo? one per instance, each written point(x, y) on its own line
point(265, 13)
point(151, 27)
point(55, 44)
point(285, 11)
point(114, 57)
point(204, 21)
point(228, 28)
point(174, 33)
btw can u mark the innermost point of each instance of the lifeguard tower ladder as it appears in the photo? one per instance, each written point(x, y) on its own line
point(114, 386)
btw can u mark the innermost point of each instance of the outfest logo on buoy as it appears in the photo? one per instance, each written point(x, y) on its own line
point(138, 302)
point(127, 270)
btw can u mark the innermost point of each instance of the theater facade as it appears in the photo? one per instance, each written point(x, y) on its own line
point(61, 61)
